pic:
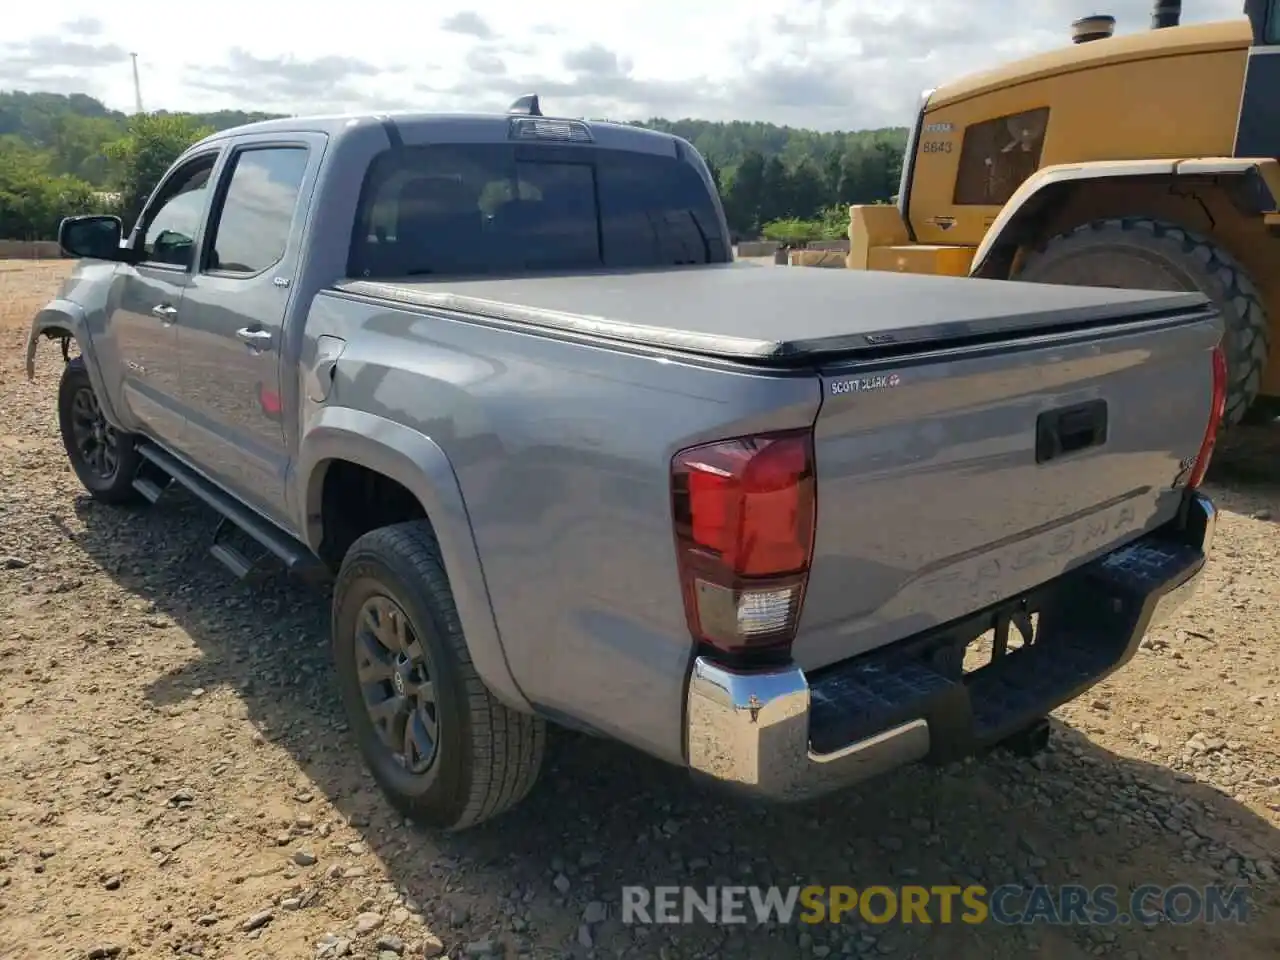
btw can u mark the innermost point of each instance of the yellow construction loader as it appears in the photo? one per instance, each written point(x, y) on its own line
point(1145, 160)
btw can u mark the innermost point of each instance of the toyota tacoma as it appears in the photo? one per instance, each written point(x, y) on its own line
point(499, 380)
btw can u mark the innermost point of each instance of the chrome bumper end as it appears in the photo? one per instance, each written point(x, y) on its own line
point(750, 730)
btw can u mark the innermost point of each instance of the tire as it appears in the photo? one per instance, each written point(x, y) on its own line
point(110, 480)
point(484, 757)
point(1148, 254)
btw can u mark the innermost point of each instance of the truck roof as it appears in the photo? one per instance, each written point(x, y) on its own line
point(420, 127)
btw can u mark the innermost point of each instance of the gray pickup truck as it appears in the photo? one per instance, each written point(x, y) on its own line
point(500, 380)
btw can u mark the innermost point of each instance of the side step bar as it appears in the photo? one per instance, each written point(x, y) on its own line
point(229, 556)
point(297, 559)
point(149, 488)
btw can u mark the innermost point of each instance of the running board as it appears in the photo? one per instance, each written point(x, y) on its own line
point(296, 558)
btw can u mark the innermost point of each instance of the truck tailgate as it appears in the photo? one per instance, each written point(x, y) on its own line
point(951, 480)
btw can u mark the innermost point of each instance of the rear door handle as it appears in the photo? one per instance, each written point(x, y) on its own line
point(258, 339)
point(165, 312)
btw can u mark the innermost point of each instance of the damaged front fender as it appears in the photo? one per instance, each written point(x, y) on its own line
point(64, 320)
point(60, 319)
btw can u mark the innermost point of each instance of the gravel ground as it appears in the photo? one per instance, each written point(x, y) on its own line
point(176, 779)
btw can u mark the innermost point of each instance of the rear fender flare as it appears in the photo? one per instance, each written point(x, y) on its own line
point(1016, 223)
point(417, 463)
point(63, 318)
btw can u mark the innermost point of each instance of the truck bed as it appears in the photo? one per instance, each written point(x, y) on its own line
point(731, 311)
point(949, 479)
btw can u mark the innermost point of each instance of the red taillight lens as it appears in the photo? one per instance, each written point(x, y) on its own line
point(1216, 410)
point(744, 514)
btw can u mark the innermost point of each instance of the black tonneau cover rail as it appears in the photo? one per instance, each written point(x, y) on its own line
point(785, 317)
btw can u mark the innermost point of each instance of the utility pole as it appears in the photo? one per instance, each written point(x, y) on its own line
point(137, 85)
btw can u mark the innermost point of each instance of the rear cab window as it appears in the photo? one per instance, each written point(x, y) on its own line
point(488, 208)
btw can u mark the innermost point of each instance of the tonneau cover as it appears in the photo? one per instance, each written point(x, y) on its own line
point(776, 315)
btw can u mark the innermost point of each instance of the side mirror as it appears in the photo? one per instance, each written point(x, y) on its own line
point(96, 237)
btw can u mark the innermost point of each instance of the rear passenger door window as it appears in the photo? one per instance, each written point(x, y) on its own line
point(250, 230)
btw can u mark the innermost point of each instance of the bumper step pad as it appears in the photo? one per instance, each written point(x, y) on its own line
point(1090, 623)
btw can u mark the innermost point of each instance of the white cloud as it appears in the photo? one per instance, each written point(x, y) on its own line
point(822, 63)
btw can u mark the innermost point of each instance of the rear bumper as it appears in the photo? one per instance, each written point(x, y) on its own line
point(784, 735)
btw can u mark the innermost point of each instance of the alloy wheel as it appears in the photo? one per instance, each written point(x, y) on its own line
point(96, 441)
point(395, 682)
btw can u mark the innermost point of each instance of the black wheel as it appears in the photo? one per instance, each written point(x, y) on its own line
point(442, 748)
point(104, 458)
point(1138, 253)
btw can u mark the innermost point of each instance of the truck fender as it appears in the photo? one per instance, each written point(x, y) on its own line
point(1016, 220)
point(61, 318)
point(416, 462)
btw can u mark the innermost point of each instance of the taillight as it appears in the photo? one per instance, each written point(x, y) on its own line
point(1216, 410)
point(744, 512)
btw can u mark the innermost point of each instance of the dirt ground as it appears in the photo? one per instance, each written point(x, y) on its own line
point(176, 779)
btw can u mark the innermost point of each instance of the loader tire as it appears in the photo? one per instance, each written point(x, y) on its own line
point(1139, 253)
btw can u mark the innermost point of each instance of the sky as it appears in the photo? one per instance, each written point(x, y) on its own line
point(825, 64)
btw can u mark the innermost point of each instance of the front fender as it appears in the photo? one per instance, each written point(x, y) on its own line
point(417, 463)
point(65, 318)
point(1023, 207)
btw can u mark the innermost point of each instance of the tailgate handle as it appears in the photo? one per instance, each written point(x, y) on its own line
point(1069, 429)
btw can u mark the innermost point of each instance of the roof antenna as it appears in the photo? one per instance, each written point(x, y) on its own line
point(526, 106)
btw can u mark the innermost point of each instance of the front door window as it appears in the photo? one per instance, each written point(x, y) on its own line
point(170, 231)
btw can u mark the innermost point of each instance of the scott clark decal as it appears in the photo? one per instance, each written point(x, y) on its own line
point(881, 381)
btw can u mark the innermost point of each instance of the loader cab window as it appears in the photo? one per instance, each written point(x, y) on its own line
point(997, 155)
point(455, 209)
point(1272, 31)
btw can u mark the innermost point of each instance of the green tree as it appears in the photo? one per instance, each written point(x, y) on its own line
point(745, 193)
point(142, 156)
point(834, 222)
point(76, 145)
point(717, 176)
point(33, 198)
point(832, 170)
point(809, 192)
point(776, 201)
point(891, 161)
point(791, 230)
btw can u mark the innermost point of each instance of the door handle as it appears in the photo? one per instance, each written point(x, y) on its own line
point(258, 339)
point(1069, 429)
point(164, 312)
